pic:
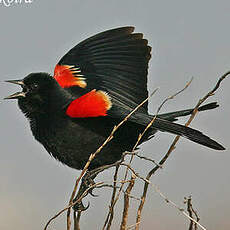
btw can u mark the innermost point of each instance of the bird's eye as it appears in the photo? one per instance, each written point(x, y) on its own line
point(34, 86)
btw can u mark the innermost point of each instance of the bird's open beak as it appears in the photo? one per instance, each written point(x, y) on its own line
point(18, 94)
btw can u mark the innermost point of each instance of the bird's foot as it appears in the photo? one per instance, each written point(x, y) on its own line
point(88, 185)
point(85, 189)
point(79, 207)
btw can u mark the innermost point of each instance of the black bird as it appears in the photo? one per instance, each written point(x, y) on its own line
point(95, 85)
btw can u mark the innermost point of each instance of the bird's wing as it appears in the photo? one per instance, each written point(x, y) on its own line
point(108, 69)
point(107, 75)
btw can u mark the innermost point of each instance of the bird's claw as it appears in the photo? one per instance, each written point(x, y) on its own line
point(92, 194)
point(79, 207)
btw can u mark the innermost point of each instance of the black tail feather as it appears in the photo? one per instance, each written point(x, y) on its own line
point(174, 115)
point(189, 133)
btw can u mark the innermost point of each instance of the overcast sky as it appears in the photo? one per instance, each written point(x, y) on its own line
point(189, 38)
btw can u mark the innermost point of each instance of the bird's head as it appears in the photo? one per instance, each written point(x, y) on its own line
point(33, 86)
point(35, 93)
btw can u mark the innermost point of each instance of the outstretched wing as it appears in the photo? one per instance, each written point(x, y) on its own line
point(107, 75)
point(114, 62)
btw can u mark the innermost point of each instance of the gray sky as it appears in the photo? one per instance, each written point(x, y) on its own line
point(189, 38)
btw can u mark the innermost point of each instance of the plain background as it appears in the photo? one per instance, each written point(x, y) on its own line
point(189, 38)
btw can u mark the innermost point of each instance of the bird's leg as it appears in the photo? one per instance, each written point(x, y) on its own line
point(79, 205)
point(87, 182)
point(90, 175)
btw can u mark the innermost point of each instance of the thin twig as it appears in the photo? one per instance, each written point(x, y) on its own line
point(172, 147)
point(138, 141)
point(93, 155)
point(132, 226)
point(126, 203)
point(209, 94)
point(77, 220)
point(162, 195)
point(142, 157)
point(191, 211)
point(145, 130)
point(174, 95)
point(71, 205)
point(110, 215)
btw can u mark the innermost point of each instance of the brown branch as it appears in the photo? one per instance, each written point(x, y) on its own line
point(141, 136)
point(76, 220)
point(158, 165)
point(209, 94)
point(172, 147)
point(167, 200)
point(109, 138)
point(132, 226)
point(191, 211)
point(197, 218)
point(110, 215)
point(126, 203)
point(142, 157)
point(71, 205)
point(93, 155)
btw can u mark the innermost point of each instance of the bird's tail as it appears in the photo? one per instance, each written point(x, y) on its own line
point(189, 133)
point(174, 115)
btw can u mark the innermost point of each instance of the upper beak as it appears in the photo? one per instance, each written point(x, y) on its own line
point(17, 82)
point(18, 94)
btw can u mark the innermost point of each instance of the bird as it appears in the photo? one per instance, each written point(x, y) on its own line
point(95, 85)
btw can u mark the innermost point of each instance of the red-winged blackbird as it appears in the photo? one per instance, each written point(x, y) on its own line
point(95, 85)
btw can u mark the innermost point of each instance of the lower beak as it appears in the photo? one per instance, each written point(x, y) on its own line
point(18, 94)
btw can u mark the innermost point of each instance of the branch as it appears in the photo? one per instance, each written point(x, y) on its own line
point(71, 205)
point(126, 203)
point(191, 211)
point(141, 136)
point(172, 147)
point(162, 195)
point(109, 217)
point(93, 155)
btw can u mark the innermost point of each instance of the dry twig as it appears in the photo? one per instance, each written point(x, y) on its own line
point(172, 147)
point(114, 198)
point(191, 211)
point(138, 141)
point(126, 203)
point(110, 215)
point(71, 205)
point(167, 200)
point(93, 155)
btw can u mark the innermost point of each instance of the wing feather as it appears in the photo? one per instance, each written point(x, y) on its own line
point(115, 61)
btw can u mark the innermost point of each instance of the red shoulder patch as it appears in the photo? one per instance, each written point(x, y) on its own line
point(93, 104)
point(69, 75)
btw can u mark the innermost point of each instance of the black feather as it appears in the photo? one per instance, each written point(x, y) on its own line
point(189, 133)
point(174, 115)
point(115, 61)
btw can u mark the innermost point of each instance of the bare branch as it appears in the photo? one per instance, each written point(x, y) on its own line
point(142, 157)
point(191, 211)
point(140, 208)
point(162, 195)
point(71, 205)
point(126, 203)
point(76, 220)
point(116, 194)
point(172, 147)
point(109, 217)
point(93, 155)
